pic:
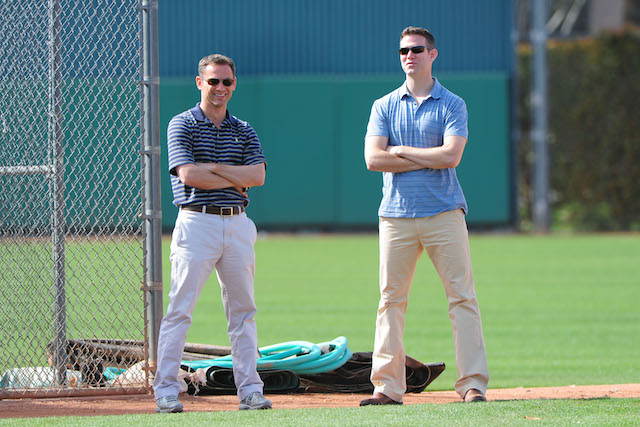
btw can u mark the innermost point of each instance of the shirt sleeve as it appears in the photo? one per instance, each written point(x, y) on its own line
point(252, 154)
point(179, 143)
point(378, 121)
point(456, 119)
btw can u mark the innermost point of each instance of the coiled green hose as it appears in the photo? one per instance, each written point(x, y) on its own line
point(301, 357)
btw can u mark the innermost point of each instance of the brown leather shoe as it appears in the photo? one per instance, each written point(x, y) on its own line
point(474, 395)
point(379, 399)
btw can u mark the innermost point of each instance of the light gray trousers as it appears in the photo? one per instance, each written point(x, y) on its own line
point(201, 243)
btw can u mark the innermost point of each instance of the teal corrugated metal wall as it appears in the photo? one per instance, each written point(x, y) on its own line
point(331, 36)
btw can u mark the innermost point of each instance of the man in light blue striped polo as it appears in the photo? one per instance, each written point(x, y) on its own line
point(213, 159)
point(416, 136)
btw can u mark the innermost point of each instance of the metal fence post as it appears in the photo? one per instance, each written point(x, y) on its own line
point(56, 145)
point(539, 129)
point(152, 191)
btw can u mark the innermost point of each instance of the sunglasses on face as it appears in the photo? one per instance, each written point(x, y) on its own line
point(214, 82)
point(414, 49)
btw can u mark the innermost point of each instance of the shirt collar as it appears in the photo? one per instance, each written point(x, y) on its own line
point(436, 90)
point(198, 114)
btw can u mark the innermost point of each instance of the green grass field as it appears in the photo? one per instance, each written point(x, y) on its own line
point(557, 310)
point(601, 412)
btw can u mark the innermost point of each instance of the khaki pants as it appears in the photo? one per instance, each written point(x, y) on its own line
point(445, 238)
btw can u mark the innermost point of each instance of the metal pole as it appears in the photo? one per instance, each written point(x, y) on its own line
point(151, 158)
point(540, 112)
point(514, 118)
point(57, 175)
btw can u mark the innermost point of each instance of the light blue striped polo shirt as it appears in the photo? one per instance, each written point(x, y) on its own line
point(425, 192)
point(192, 137)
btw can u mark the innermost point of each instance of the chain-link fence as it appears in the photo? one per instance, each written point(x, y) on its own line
point(72, 313)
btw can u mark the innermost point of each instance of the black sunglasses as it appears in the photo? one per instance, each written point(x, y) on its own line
point(414, 49)
point(214, 82)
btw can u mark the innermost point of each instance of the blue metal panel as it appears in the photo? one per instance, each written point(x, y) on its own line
point(267, 37)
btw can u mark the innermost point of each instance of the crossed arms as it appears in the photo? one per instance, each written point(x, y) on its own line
point(213, 176)
point(382, 157)
point(379, 156)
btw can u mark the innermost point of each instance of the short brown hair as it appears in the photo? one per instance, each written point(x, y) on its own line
point(431, 41)
point(218, 59)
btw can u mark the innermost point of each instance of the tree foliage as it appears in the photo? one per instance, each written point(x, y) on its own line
point(594, 132)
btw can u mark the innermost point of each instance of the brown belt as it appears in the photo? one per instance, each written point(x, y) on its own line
point(215, 210)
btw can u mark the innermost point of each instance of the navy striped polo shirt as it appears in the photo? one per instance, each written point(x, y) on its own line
point(192, 138)
point(424, 192)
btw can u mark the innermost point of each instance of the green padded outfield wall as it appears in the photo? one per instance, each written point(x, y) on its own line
point(312, 131)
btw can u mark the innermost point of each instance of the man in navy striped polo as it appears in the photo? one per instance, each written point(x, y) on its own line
point(213, 159)
point(416, 136)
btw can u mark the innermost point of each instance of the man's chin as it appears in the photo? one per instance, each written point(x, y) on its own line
point(218, 103)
